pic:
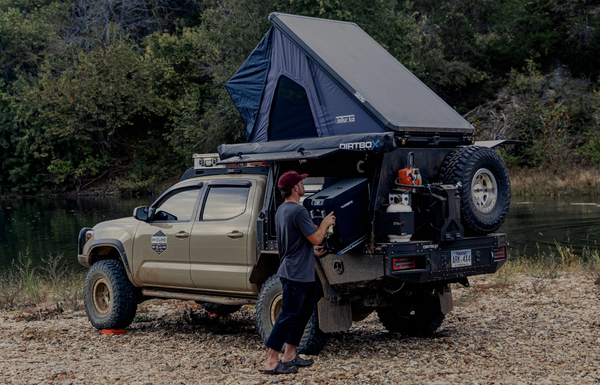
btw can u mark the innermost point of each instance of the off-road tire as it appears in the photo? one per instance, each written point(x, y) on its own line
point(109, 297)
point(482, 211)
point(220, 309)
point(420, 316)
point(313, 340)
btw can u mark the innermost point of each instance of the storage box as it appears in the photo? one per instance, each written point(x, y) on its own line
point(349, 200)
point(202, 161)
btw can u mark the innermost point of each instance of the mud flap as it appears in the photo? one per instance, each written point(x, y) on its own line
point(446, 302)
point(334, 316)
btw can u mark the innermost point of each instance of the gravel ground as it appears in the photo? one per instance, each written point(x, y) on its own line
point(528, 331)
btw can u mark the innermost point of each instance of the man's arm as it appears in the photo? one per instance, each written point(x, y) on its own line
point(317, 237)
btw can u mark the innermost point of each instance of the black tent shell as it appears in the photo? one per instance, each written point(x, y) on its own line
point(366, 71)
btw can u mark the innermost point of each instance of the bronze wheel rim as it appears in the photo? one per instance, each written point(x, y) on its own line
point(484, 190)
point(101, 296)
point(276, 308)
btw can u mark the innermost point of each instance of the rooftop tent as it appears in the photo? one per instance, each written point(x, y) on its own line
point(311, 77)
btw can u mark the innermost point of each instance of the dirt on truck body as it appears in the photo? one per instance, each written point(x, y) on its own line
point(417, 202)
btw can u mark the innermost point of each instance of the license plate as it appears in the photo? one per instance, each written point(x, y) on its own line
point(461, 258)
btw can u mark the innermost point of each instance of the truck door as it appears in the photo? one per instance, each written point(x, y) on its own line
point(161, 249)
point(221, 238)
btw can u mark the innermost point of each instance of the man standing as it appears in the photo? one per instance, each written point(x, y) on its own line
point(298, 243)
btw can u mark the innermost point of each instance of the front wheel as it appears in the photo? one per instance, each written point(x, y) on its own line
point(109, 297)
point(268, 306)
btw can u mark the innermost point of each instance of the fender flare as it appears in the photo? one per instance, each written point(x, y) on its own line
point(266, 265)
point(118, 245)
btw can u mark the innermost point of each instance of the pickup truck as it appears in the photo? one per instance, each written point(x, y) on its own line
point(211, 237)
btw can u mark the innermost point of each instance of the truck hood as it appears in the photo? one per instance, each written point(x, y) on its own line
point(116, 229)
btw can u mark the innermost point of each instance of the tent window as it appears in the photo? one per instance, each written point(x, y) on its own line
point(291, 116)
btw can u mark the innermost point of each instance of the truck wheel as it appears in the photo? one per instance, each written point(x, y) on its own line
point(418, 317)
point(220, 309)
point(109, 297)
point(485, 187)
point(268, 306)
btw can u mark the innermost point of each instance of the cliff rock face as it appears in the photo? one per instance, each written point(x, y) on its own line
point(551, 113)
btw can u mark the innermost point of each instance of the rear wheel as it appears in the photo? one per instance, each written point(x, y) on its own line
point(109, 297)
point(485, 187)
point(268, 307)
point(418, 315)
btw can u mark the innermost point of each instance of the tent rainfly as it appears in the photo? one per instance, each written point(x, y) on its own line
point(311, 77)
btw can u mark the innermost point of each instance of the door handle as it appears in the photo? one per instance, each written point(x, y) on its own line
point(182, 234)
point(235, 234)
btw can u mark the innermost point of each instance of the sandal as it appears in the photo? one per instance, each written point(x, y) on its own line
point(281, 368)
point(299, 362)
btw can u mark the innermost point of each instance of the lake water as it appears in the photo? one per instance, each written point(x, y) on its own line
point(44, 226)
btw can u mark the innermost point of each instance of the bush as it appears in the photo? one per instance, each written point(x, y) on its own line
point(25, 285)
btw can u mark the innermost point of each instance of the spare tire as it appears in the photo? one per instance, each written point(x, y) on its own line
point(484, 190)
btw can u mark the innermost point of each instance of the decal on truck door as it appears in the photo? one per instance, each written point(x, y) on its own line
point(159, 242)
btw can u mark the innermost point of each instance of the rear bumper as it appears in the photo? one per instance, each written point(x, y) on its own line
point(433, 260)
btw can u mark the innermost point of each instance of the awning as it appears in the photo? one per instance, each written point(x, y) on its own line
point(280, 156)
point(368, 142)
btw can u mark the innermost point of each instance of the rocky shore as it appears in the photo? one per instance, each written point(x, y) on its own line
point(528, 331)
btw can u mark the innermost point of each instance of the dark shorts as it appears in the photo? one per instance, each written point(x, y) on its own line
point(297, 306)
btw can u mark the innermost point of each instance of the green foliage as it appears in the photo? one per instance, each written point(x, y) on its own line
point(93, 89)
point(530, 81)
point(591, 149)
point(554, 116)
point(6, 130)
point(180, 68)
point(75, 124)
point(29, 33)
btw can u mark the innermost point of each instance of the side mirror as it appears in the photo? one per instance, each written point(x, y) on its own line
point(141, 213)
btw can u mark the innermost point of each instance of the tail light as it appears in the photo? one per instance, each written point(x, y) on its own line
point(499, 253)
point(403, 263)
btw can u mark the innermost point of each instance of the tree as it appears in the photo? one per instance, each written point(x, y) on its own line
point(74, 125)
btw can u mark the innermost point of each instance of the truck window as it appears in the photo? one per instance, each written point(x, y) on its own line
point(225, 203)
point(178, 207)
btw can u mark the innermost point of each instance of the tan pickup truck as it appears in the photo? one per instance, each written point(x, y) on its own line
point(401, 237)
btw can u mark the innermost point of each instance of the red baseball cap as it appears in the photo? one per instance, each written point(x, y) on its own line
point(289, 179)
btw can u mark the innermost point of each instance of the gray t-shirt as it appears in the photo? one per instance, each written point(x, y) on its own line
point(293, 225)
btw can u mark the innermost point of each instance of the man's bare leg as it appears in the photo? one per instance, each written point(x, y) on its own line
point(290, 353)
point(272, 359)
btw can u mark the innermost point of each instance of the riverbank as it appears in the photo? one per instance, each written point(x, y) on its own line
point(577, 181)
point(571, 182)
point(55, 288)
point(535, 330)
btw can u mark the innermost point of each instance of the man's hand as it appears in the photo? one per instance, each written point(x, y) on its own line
point(328, 220)
point(320, 251)
point(317, 237)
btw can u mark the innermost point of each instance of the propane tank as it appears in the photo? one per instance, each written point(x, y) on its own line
point(399, 203)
